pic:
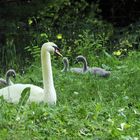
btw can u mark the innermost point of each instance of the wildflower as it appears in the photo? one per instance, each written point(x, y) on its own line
point(30, 21)
point(117, 53)
point(121, 110)
point(43, 35)
point(17, 118)
point(125, 50)
point(111, 121)
point(76, 93)
point(123, 126)
point(59, 36)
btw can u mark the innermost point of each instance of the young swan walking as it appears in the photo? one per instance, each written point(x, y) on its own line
point(47, 93)
point(8, 82)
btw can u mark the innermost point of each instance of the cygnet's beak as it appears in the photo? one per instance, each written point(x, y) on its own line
point(58, 53)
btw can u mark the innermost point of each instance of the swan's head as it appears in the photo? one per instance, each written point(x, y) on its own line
point(11, 72)
point(80, 58)
point(52, 48)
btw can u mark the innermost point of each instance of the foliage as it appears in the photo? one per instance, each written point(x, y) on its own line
point(88, 107)
point(11, 54)
point(126, 39)
point(91, 43)
point(73, 25)
point(24, 96)
point(42, 21)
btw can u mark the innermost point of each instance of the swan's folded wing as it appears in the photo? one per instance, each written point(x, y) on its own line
point(13, 93)
point(77, 70)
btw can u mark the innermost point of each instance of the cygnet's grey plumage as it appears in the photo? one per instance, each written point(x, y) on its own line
point(66, 64)
point(76, 70)
point(99, 71)
point(66, 67)
point(94, 70)
point(82, 59)
point(8, 82)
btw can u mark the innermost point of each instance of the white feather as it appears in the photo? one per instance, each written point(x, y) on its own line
point(47, 94)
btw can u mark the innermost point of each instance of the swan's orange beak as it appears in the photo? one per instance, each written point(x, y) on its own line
point(58, 53)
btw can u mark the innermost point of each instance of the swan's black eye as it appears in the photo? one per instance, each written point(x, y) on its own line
point(55, 47)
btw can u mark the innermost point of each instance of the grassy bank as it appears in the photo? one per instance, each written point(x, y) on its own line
point(88, 107)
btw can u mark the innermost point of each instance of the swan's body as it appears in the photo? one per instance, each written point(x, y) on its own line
point(8, 82)
point(76, 70)
point(94, 70)
point(47, 94)
point(66, 67)
point(13, 93)
point(99, 71)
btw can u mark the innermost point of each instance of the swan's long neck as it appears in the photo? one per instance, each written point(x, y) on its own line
point(7, 79)
point(84, 65)
point(47, 71)
point(66, 65)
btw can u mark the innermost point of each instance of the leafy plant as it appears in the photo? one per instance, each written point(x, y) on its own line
point(24, 96)
point(92, 46)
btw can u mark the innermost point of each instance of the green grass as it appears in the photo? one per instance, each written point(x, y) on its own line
point(88, 107)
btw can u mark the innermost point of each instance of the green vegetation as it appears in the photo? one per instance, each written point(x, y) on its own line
point(88, 107)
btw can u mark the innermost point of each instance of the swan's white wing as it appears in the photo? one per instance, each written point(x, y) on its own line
point(13, 93)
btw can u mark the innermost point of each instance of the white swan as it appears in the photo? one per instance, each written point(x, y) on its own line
point(8, 82)
point(47, 94)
